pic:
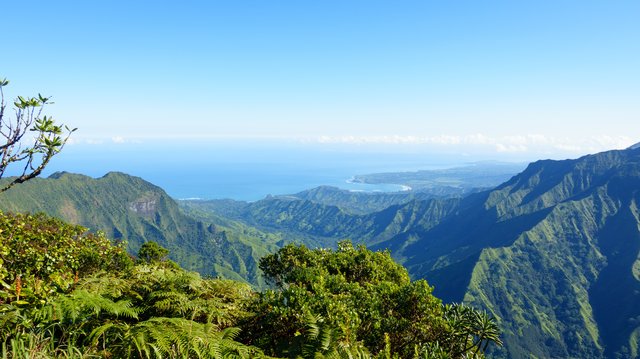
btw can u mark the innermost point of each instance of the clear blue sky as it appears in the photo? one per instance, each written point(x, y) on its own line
point(504, 76)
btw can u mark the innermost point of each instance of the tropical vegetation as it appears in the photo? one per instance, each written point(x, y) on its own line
point(552, 254)
point(70, 293)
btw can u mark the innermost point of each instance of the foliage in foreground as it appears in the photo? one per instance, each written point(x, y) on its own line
point(360, 300)
point(68, 293)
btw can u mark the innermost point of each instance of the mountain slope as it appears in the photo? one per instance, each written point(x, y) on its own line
point(319, 225)
point(129, 208)
point(359, 202)
point(552, 253)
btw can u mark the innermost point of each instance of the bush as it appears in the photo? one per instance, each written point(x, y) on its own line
point(41, 255)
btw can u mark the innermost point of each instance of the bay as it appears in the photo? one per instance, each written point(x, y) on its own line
point(242, 171)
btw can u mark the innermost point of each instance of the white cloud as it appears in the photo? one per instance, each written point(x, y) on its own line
point(478, 139)
point(510, 143)
point(567, 147)
point(511, 148)
point(471, 143)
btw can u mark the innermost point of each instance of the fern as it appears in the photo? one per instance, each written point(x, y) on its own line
point(169, 292)
point(106, 284)
point(81, 305)
point(177, 338)
point(321, 341)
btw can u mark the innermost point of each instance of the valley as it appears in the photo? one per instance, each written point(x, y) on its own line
point(542, 252)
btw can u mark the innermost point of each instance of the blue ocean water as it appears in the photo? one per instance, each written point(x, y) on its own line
point(241, 172)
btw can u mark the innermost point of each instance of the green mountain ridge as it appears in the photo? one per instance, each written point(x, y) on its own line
point(552, 253)
point(545, 252)
point(129, 208)
point(316, 224)
point(360, 202)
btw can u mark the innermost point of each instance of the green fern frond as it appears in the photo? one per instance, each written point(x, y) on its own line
point(178, 337)
point(104, 284)
point(81, 305)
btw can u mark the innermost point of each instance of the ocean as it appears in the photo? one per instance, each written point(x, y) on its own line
point(241, 171)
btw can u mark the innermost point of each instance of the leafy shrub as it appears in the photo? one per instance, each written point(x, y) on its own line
point(358, 299)
point(66, 292)
point(41, 255)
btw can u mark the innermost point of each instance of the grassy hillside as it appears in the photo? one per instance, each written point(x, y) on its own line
point(552, 253)
point(360, 202)
point(315, 224)
point(129, 208)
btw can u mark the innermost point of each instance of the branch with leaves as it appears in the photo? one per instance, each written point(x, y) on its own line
point(32, 153)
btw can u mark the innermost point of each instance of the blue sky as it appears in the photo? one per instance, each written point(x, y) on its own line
point(536, 78)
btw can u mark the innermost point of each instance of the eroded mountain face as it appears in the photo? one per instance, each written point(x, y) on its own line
point(146, 205)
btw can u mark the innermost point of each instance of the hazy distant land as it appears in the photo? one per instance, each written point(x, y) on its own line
point(480, 175)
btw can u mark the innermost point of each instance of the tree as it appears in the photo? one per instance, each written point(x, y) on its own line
point(29, 154)
point(152, 252)
point(350, 302)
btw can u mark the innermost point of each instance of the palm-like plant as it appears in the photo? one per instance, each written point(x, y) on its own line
point(472, 330)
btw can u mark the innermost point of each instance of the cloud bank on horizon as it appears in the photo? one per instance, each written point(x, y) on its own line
point(494, 147)
point(517, 143)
